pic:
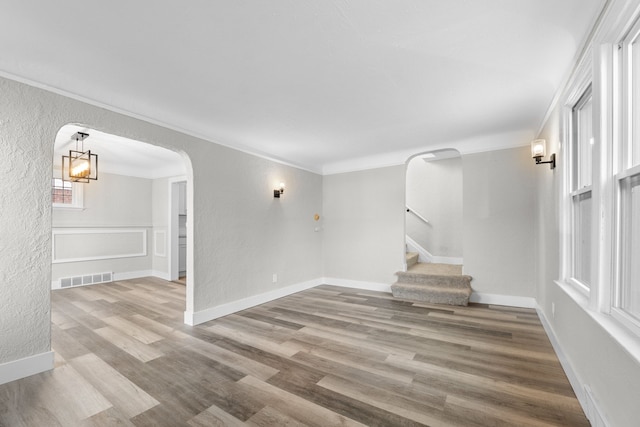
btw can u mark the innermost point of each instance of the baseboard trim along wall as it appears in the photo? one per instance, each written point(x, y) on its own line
point(508, 300)
point(127, 275)
point(582, 391)
point(26, 367)
point(198, 317)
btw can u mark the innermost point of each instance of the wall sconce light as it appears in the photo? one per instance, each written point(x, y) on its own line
point(539, 150)
point(80, 165)
point(278, 191)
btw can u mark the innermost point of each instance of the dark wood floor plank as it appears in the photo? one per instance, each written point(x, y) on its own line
point(325, 356)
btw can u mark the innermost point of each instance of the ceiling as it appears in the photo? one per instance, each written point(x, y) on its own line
point(119, 155)
point(327, 85)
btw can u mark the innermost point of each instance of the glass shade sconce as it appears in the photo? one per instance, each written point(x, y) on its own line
point(80, 165)
point(539, 150)
point(277, 192)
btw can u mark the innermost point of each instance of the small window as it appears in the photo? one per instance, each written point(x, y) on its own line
point(65, 194)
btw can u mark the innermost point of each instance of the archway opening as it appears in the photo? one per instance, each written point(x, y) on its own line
point(433, 221)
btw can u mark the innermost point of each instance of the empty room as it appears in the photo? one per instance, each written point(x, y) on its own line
point(382, 213)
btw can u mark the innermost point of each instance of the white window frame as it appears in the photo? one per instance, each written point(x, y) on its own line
point(581, 84)
point(626, 168)
point(77, 197)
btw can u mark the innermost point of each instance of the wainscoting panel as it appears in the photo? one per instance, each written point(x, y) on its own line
point(88, 244)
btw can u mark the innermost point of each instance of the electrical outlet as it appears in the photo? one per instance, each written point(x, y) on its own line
point(553, 310)
point(275, 278)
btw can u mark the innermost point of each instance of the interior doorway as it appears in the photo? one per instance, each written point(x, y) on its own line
point(433, 221)
point(122, 224)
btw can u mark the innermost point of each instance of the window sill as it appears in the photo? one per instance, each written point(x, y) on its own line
point(67, 208)
point(626, 338)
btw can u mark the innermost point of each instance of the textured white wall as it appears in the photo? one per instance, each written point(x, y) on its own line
point(434, 189)
point(499, 221)
point(364, 224)
point(241, 235)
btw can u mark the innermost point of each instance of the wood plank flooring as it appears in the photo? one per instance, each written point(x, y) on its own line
point(326, 356)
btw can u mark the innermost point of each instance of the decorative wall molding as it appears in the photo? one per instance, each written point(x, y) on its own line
point(26, 367)
point(88, 231)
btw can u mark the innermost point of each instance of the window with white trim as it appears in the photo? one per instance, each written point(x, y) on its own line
point(65, 194)
point(581, 191)
point(626, 303)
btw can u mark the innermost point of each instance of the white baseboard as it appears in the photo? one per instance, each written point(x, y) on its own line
point(198, 317)
point(447, 260)
point(508, 300)
point(28, 366)
point(161, 274)
point(426, 256)
point(582, 391)
point(356, 284)
point(128, 275)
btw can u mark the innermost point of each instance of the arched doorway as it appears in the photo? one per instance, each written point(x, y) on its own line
point(121, 225)
point(433, 221)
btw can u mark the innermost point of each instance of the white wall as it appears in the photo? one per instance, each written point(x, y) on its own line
point(595, 357)
point(434, 189)
point(240, 234)
point(499, 221)
point(111, 204)
point(364, 224)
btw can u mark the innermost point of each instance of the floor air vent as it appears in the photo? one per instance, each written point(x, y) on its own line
point(87, 279)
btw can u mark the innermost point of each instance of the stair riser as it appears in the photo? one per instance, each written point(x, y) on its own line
point(457, 282)
point(440, 297)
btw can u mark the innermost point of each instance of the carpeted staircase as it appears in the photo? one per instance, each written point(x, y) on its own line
point(432, 283)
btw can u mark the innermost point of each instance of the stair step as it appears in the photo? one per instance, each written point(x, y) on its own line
point(412, 259)
point(461, 281)
point(431, 293)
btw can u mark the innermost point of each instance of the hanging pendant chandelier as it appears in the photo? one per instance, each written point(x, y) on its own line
point(80, 165)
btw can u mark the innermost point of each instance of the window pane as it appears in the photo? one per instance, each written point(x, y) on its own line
point(630, 232)
point(634, 91)
point(582, 141)
point(582, 238)
point(61, 192)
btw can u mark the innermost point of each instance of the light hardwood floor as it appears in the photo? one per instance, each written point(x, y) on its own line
point(322, 357)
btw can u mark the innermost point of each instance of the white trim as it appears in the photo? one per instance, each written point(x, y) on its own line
point(357, 284)
point(198, 317)
point(582, 391)
point(426, 256)
point(128, 275)
point(21, 368)
point(161, 274)
point(447, 260)
point(70, 231)
point(506, 300)
point(144, 118)
point(423, 254)
point(156, 239)
point(621, 334)
point(575, 382)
